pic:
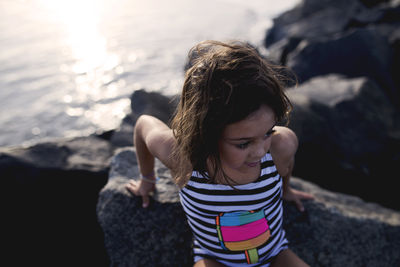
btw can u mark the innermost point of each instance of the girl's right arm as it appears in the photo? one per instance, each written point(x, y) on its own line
point(152, 139)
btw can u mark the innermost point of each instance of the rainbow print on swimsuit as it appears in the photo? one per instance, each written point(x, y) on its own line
point(243, 231)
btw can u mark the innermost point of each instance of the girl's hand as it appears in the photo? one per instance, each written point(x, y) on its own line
point(296, 196)
point(141, 188)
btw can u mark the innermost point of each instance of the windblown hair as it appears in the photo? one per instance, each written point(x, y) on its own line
point(224, 83)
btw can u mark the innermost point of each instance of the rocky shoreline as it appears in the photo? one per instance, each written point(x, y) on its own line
point(66, 205)
point(69, 194)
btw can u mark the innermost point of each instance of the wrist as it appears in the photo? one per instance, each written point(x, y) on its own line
point(150, 178)
point(286, 183)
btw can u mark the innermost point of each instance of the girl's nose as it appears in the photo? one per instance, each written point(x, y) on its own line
point(260, 150)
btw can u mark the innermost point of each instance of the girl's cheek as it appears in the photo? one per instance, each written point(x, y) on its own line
point(238, 157)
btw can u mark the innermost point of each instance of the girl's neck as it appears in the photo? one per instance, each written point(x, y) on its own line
point(235, 177)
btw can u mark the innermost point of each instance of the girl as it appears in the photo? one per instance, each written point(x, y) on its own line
point(229, 157)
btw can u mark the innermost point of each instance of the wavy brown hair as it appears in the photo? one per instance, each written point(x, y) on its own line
point(224, 83)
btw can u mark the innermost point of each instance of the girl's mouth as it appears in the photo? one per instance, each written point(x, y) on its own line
point(252, 164)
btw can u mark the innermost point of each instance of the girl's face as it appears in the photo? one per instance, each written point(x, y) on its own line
point(244, 143)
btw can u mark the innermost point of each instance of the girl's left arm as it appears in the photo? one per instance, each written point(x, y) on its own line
point(283, 149)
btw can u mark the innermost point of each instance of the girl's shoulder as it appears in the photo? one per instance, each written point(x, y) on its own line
point(158, 137)
point(284, 142)
point(283, 147)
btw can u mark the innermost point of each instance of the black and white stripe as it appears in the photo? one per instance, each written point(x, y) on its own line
point(203, 201)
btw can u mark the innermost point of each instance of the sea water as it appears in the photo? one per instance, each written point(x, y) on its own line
point(68, 67)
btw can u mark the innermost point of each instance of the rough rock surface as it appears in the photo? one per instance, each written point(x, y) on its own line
point(345, 131)
point(142, 102)
point(353, 38)
point(50, 192)
point(335, 230)
point(157, 236)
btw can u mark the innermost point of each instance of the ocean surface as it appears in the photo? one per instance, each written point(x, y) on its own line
point(68, 67)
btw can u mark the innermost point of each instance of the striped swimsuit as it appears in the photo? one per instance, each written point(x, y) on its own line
point(236, 227)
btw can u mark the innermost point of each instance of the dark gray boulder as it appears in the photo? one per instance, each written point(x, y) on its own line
point(347, 37)
point(335, 230)
point(346, 134)
point(155, 236)
point(51, 189)
point(313, 19)
point(342, 230)
point(143, 102)
point(50, 192)
point(363, 52)
point(153, 103)
point(350, 136)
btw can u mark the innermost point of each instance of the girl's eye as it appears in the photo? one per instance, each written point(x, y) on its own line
point(269, 133)
point(243, 145)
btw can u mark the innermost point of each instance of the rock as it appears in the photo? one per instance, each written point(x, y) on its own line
point(335, 230)
point(347, 37)
point(394, 39)
point(315, 19)
point(312, 19)
point(363, 52)
point(346, 134)
point(342, 230)
point(154, 104)
point(57, 183)
point(123, 135)
point(356, 136)
point(51, 189)
point(143, 102)
point(156, 236)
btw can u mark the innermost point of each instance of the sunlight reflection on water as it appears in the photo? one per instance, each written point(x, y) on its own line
point(92, 64)
point(72, 64)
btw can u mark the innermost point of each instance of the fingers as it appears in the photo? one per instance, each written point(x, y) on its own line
point(299, 205)
point(145, 201)
point(132, 186)
point(140, 189)
point(297, 196)
point(304, 195)
point(301, 196)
